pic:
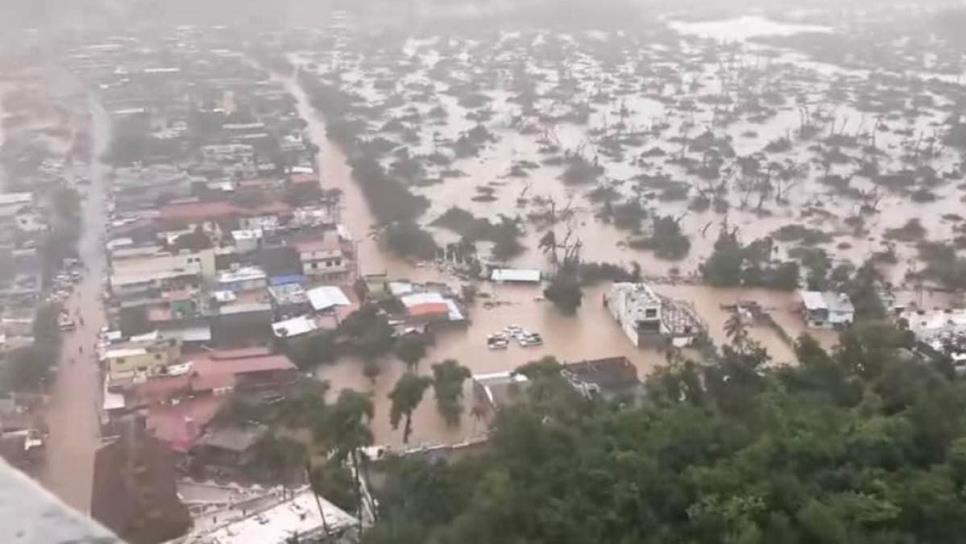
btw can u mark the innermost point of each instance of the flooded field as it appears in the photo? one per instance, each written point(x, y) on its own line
point(599, 135)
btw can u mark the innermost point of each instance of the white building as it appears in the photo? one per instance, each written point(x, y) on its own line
point(647, 317)
point(247, 240)
point(637, 309)
point(828, 310)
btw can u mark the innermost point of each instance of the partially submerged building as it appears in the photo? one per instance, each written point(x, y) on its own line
point(826, 309)
point(647, 317)
point(497, 389)
point(610, 377)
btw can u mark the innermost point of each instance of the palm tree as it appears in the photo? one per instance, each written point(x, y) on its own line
point(405, 397)
point(448, 378)
point(736, 331)
point(348, 432)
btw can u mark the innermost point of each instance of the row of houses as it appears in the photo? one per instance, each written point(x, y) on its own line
point(223, 247)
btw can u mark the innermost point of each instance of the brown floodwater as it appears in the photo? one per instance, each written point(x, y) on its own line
point(592, 333)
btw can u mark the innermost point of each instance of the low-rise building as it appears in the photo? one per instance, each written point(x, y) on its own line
point(827, 310)
point(646, 317)
point(611, 377)
point(148, 358)
point(242, 279)
point(497, 389)
point(302, 513)
point(326, 257)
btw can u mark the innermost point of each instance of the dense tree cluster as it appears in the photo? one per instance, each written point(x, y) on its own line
point(505, 234)
point(732, 264)
point(408, 239)
point(564, 290)
point(862, 445)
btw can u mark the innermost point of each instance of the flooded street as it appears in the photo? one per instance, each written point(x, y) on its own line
point(75, 396)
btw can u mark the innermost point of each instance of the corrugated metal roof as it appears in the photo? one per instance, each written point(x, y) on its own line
point(296, 326)
point(327, 296)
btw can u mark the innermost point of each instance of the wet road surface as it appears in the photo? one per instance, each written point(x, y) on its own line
point(73, 416)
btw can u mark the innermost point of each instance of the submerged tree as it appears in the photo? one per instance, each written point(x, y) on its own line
point(411, 349)
point(406, 397)
point(448, 378)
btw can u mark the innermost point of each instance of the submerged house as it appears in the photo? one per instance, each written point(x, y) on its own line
point(610, 377)
point(825, 309)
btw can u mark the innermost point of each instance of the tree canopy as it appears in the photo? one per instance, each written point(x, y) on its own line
point(861, 445)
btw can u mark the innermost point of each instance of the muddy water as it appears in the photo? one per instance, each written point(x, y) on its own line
point(601, 241)
point(592, 333)
point(335, 173)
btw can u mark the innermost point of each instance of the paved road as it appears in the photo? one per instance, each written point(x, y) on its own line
point(73, 415)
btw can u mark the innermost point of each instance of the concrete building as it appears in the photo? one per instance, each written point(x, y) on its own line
point(141, 358)
point(201, 263)
point(242, 279)
point(325, 258)
point(647, 317)
point(276, 519)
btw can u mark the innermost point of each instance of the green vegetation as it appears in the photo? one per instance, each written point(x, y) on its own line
point(564, 290)
point(388, 198)
point(366, 332)
point(594, 273)
point(448, 378)
point(856, 446)
point(411, 349)
point(732, 264)
point(666, 240)
point(309, 352)
point(408, 239)
point(505, 235)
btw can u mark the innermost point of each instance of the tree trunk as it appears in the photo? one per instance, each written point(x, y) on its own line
point(315, 494)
